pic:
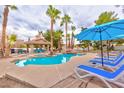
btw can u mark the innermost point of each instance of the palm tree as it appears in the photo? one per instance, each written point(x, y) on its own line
point(86, 44)
point(73, 28)
point(56, 39)
point(4, 25)
point(12, 38)
point(68, 38)
point(106, 17)
point(65, 20)
point(53, 13)
point(59, 39)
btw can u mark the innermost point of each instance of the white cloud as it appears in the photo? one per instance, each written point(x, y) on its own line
point(27, 20)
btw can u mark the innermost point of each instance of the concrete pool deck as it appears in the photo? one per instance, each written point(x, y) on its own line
point(43, 76)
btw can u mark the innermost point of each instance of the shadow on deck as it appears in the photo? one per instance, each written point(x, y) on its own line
point(74, 82)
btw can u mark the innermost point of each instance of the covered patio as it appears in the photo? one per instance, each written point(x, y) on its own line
point(39, 43)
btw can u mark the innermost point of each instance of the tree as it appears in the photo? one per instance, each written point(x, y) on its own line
point(96, 45)
point(119, 42)
point(53, 13)
point(4, 25)
point(12, 39)
point(85, 44)
point(73, 28)
point(65, 20)
point(106, 17)
point(57, 37)
point(68, 38)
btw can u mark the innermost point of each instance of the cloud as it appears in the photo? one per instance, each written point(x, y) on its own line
point(27, 20)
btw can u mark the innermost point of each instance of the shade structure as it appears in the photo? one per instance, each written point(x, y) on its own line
point(38, 42)
point(103, 32)
point(108, 31)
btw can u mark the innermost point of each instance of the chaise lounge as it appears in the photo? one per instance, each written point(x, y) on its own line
point(104, 75)
point(111, 63)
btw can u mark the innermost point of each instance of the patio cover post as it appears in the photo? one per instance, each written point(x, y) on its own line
point(32, 48)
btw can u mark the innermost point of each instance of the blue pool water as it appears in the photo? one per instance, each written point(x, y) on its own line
point(58, 59)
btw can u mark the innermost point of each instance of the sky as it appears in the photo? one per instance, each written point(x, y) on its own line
point(27, 20)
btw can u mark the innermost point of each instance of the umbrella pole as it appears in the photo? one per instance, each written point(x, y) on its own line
point(108, 49)
point(101, 48)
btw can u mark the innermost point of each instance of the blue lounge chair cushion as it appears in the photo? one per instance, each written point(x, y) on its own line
point(110, 63)
point(103, 73)
point(20, 51)
point(38, 50)
point(106, 59)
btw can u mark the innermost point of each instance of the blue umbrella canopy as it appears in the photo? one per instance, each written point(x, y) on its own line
point(107, 31)
point(118, 37)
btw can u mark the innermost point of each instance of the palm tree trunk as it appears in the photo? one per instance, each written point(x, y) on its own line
point(59, 44)
point(69, 42)
point(51, 34)
point(72, 41)
point(4, 24)
point(66, 28)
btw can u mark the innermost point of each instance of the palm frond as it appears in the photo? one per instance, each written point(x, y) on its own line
point(13, 7)
point(73, 28)
point(66, 19)
point(106, 17)
point(53, 12)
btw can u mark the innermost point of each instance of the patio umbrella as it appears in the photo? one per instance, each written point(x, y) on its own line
point(118, 37)
point(102, 32)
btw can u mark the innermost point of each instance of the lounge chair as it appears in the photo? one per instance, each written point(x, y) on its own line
point(105, 76)
point(111, 58)
point(20, 51)
point(39, 50)
point(113, 63)
point(36, 51)
point(111, 54)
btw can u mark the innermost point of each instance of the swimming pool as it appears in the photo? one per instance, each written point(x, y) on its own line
point(52, 60)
